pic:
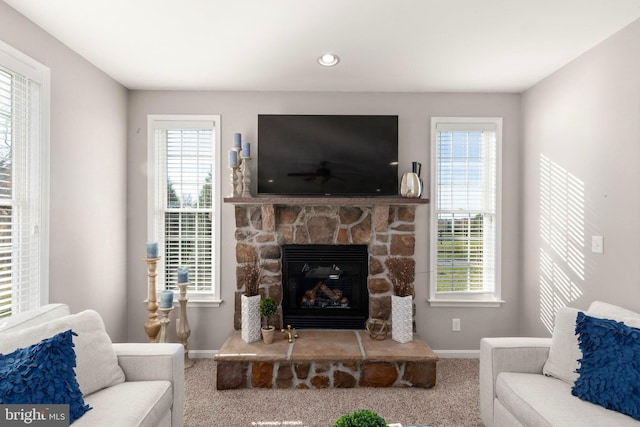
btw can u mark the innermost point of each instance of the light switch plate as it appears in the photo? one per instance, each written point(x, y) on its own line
point(597, 244)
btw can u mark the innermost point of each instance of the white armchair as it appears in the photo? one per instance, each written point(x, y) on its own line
point(528, 381)
point(126, 384)
point(526, 355)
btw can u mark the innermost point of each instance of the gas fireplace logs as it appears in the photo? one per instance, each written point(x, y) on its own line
point(322, 296)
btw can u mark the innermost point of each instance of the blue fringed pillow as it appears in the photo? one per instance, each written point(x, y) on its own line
point(43, 374)
point(609, 372)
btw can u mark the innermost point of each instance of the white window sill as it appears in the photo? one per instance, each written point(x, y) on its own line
point(197, 302)
point(490, 303)
point(204, 303)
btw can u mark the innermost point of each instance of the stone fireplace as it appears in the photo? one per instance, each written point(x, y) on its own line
point(384, 227)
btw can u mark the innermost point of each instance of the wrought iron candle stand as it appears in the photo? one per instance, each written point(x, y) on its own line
point(183, 330)
point(152, 325)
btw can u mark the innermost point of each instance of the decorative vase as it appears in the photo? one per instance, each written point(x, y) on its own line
point(250, 326)
point(267, 334)
point(402, 318)
point(410, 186)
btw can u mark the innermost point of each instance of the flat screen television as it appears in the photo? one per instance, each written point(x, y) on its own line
point(328, 155)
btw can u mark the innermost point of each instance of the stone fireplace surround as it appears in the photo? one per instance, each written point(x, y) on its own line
point(328, 357)
point(385, 225)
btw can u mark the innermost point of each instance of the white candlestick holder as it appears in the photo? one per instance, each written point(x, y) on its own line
point(165, 313)
point(238, 191)
point(245, 166)
point(183, 331)
point(236, 175)
point(233, 181)
point(152, 325)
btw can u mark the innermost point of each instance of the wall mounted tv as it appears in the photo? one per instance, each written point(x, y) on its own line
point(328, 155)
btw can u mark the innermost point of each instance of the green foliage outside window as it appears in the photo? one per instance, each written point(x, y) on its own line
point(460, 254)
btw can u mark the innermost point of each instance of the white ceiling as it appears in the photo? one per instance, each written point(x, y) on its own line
point(384, 45)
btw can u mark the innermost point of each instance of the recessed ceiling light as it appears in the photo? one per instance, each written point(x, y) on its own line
point(328, 59)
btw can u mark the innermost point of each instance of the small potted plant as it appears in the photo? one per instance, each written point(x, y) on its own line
point(361, 418)
point(268, 308)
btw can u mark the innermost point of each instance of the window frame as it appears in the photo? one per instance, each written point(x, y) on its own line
point(18, 62)
point(155, 121)
point(485, 298)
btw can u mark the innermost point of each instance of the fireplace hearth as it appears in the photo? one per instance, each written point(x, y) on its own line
point(325, 286)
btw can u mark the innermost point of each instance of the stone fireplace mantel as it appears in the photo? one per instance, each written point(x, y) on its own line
point(263, 224)
point(325, 201)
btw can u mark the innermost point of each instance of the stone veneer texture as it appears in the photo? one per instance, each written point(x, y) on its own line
point(325, 359)
point(261, 229)
point(309, 375)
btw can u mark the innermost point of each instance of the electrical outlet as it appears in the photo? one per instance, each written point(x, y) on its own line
point(455, 325)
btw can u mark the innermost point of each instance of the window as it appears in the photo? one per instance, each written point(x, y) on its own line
point(465, 211)
point(184, 201)
point(24, 166)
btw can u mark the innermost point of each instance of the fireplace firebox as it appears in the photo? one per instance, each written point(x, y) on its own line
point(325, 286)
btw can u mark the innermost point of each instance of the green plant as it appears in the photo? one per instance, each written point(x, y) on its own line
point(361, 418)
point(268, 308)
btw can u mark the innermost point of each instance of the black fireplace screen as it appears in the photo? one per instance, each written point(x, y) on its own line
point(325, 286)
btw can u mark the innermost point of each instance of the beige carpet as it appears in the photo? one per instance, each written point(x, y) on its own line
point(452, 402)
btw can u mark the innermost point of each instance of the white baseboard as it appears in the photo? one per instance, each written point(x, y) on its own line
point(443, 354)
point(457, 354)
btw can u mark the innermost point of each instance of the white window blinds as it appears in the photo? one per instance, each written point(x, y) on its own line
point(184, 201)
point(22, 286)
point(465, 217)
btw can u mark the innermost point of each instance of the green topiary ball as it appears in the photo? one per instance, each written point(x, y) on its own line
point(361, 418)
point(268, 308)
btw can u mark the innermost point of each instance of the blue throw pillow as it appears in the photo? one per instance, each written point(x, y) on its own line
point(609, 372)
point(43, 374)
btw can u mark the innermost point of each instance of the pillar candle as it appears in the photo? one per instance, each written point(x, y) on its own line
point(233, 158)
point(246, 150)
point(152, 250)
point(183, 275)
point(166, 299)
point(236, 139)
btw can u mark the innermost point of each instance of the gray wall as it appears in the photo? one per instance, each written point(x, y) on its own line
point(239, 110)
point(580, 156)
point(88, 176)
